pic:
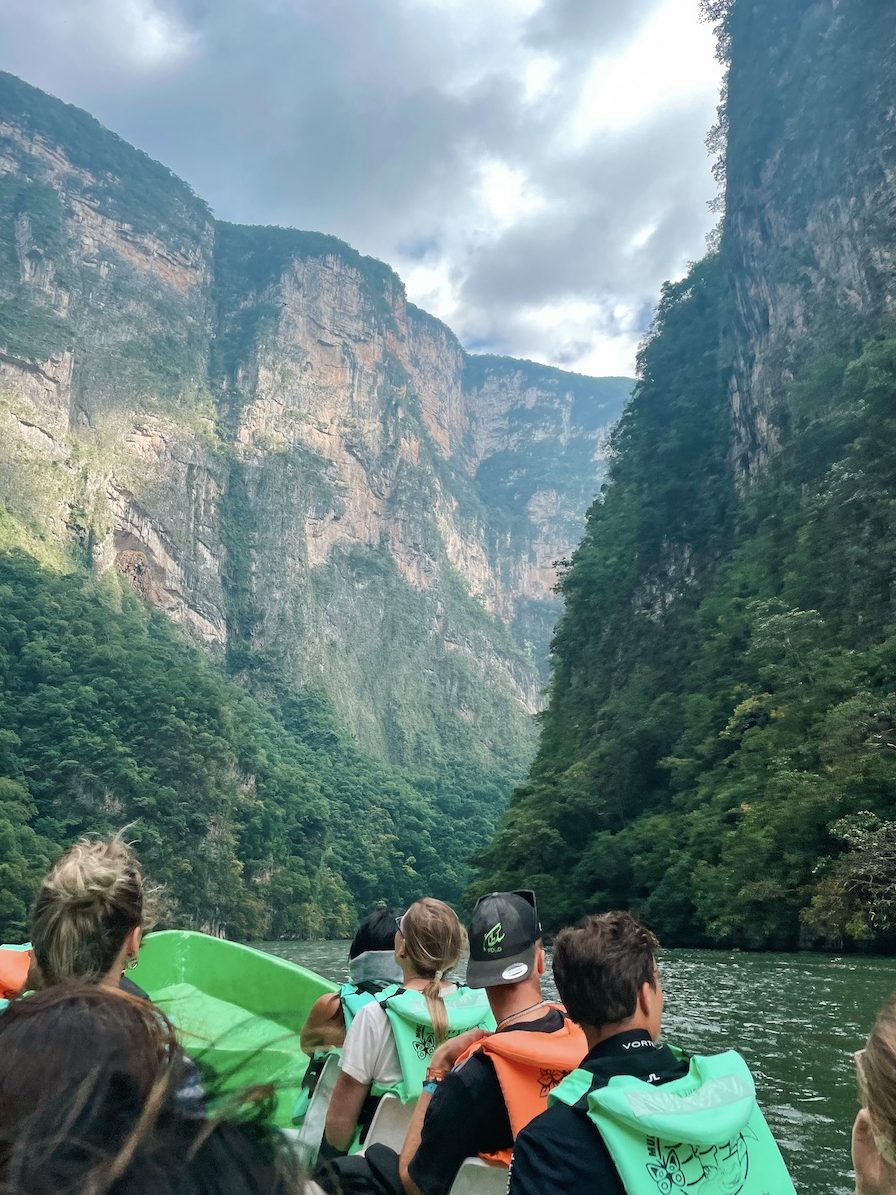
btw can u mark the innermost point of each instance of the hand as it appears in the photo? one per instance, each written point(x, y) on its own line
point(449, 1051)
point(873, 1175)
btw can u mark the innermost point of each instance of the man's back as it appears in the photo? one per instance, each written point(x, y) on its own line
point(468, 1115)
point(562, 1151)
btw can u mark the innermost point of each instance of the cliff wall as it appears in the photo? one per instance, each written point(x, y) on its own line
point(271, 445)
point(811, 179)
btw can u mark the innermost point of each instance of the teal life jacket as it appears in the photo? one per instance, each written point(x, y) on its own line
point(352, 997)
point(701, 1134)
point(415, 1039)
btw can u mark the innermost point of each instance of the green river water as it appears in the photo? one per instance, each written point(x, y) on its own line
point(796, 1018)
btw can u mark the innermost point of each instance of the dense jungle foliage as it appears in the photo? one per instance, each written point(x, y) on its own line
point(719, 751)
point(258, 821)
point(720, 747)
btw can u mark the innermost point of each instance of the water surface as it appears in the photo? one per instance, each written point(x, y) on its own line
point(796, 1018)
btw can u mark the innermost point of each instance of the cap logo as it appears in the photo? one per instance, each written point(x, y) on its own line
point(515, 971)
point(491, 942)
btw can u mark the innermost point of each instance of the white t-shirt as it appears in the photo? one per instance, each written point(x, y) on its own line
point(369, 1053)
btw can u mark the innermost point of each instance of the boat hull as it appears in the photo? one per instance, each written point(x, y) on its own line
point(237, 1010)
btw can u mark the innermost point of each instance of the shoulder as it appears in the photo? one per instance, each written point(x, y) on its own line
point(325, 1007)
point(561, 1150)
point(476, 1076)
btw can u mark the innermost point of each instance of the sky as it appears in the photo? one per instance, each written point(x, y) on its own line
point(533, 169)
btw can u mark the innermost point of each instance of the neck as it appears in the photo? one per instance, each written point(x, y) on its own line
point(510, 999)
point(594, 1036)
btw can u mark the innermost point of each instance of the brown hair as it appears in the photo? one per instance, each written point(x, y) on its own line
point(876, 1068)
point(60, 1039)
point(434, 939)
point(90, 1083)
point(600, 966)
point(88, 903)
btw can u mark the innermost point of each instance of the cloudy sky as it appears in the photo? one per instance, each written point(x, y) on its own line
point(534, 169)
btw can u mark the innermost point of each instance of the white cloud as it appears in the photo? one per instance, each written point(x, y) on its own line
point(534, 169)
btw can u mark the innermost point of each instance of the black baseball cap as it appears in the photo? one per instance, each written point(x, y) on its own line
point(503, 931)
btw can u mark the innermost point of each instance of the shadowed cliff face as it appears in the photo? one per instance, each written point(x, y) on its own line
point(811, 166)
point(271, 445)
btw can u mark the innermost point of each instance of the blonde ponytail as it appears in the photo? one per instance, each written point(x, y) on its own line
point(434, 939)
point(87, 905)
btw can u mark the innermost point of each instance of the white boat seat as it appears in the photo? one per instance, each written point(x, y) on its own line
point(390, 1123)
point(307, 1139)
point(476, 1177)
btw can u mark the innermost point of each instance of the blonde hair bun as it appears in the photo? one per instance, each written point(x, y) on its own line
point(87, 904)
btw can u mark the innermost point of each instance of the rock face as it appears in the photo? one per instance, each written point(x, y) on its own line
point(811, 173)
point(273, 446)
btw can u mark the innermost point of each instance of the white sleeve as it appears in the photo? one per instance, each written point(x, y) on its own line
point(369, 1054)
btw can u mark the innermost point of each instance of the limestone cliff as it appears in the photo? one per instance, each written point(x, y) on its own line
point(271, 444)
point(811, 167)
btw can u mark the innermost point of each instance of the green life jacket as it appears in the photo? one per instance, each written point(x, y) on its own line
point(702, 1134)
point(352, 998)
point(415, 1038)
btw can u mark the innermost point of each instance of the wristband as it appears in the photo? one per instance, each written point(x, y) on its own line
point(431, 1087)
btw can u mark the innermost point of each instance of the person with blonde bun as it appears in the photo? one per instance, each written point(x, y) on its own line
point(90, 914)
point(391, 1040)
point(874, 1130)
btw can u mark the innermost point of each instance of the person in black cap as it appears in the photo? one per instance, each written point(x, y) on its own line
point(501, 1080)
point(479, 1094)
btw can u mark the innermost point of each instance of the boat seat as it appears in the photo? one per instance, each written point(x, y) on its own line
point(308, 1137)
point(390, 1123)
point(476, 1177)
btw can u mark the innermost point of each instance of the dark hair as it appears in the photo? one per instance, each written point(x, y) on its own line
point(600, 966)
point(376, 932)
point(88, 1079)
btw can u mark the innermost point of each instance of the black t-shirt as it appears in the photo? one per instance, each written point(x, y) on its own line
point(467, 1116)
point(561, 1151)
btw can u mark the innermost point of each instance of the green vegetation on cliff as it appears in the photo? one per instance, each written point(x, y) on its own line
point(263, 821)
point(719, 751)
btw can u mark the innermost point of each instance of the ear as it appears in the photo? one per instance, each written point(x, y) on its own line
point(132, 941)
point(646, 999)
point(540, 961)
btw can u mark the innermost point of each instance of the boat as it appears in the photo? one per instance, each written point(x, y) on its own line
point(236, 1009)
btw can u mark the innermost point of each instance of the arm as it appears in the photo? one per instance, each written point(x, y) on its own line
point(443, 1060)
point(325, 1026)
point(345, 1108)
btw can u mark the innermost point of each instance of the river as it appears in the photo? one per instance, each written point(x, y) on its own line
point(796, 1018)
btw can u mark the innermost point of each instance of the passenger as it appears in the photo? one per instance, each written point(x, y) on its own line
point(391, 1040)
point(88, 1077)
point(372, 966)
point(90, 915)
point(702, 1125)
point(874, 1131)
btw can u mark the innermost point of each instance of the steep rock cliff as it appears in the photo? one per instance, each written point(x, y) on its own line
point(811, 178)
point(261, 434)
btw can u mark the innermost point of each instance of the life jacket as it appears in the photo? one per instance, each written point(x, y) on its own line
point(15, 962)
point(352, 997)
point(703, 1133)
point(415, 1039)
point(529, 1065)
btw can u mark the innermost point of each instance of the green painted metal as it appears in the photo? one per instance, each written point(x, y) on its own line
point(237, 1010)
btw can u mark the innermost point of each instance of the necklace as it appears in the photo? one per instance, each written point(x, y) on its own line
point(514, 1015)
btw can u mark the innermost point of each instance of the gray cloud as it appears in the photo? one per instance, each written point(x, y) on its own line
point(374, 119)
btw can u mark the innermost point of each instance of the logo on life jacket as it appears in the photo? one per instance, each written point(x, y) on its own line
point(548, 1080)
point(493, 939)
point(687, 1167)
point(424, 1041)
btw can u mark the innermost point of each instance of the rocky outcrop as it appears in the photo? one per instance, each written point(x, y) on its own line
point(811, 175)
point(270, 444)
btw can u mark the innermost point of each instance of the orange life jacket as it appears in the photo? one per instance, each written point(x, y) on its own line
point(529, 1066)
point(14, 966)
